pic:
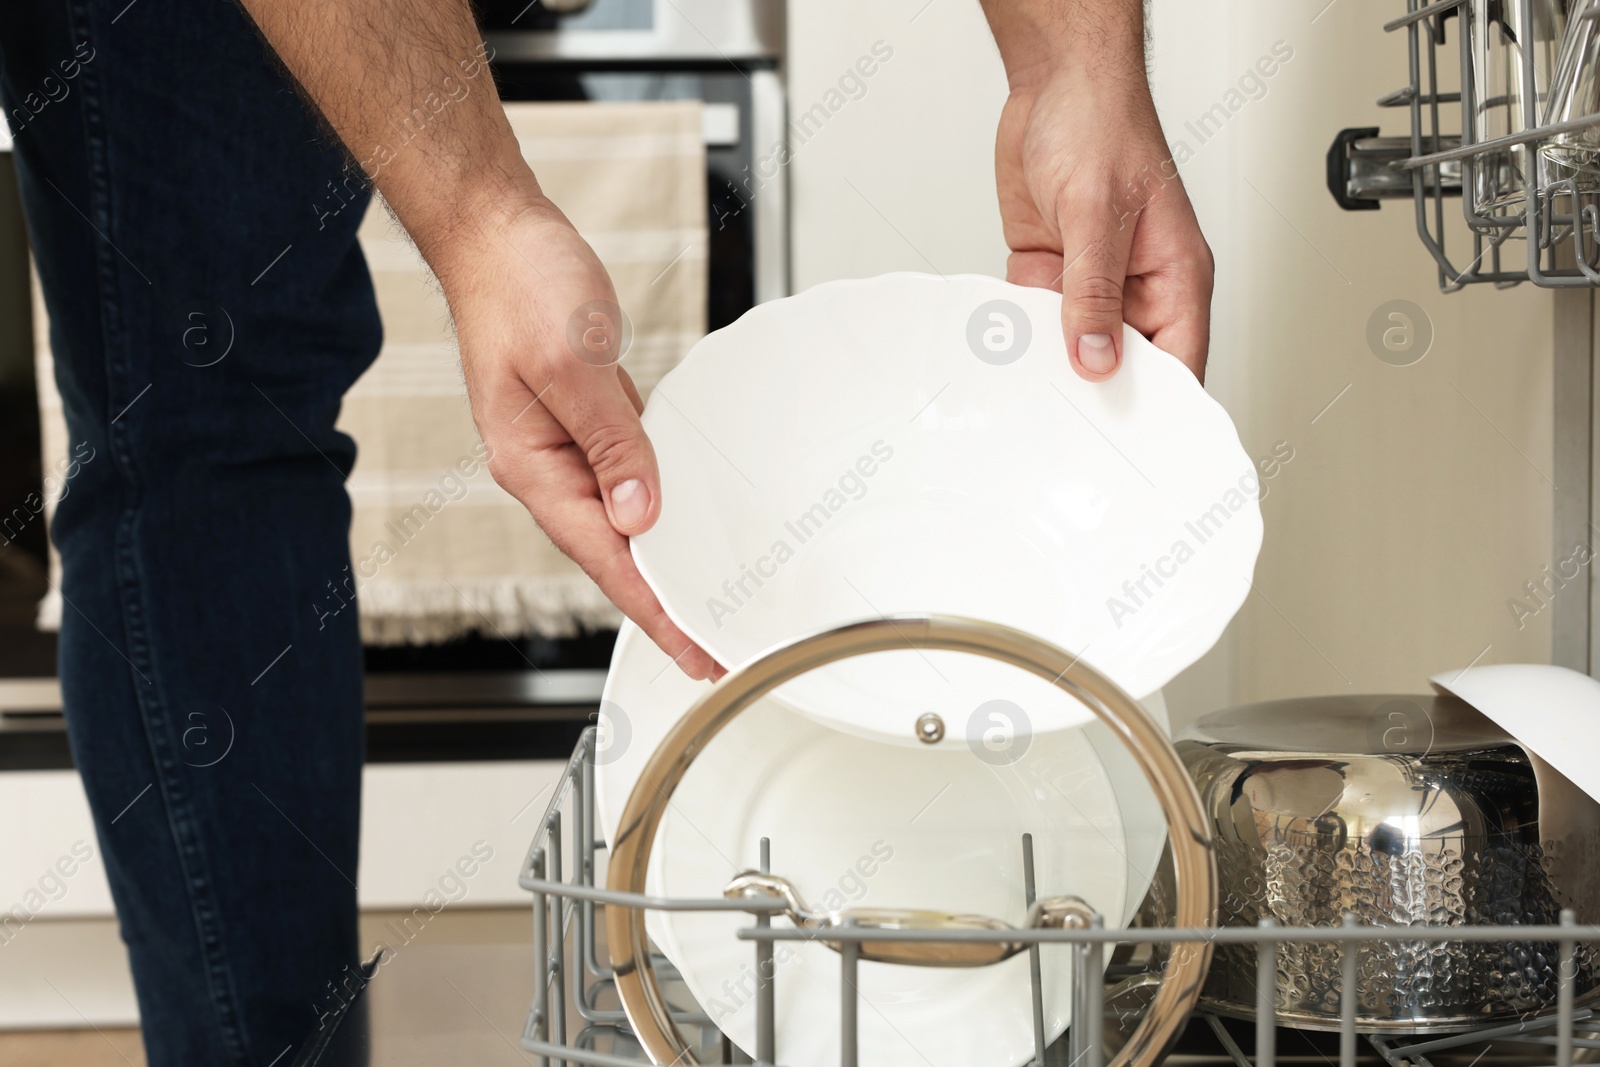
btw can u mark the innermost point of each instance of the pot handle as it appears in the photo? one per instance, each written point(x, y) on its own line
point(1193, 851)
point(1055, 913)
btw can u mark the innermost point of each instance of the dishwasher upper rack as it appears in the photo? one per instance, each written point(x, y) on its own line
point(569, 1015)
point(1554, 242)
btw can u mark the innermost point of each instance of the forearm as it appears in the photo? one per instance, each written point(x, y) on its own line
point(1041, 39)
point(405, 85)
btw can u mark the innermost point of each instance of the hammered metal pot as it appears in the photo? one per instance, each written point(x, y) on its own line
point(1403, 811)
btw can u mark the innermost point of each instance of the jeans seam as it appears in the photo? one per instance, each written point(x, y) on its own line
point(176, 804)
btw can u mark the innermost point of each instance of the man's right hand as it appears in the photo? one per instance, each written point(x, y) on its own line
point(1090, 196)
point(536, 318)
point(564, 428)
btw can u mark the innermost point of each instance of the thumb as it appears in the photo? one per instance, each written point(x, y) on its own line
point(601, 415)
point(1095, 249)
point(626, 472)
point(605, 426)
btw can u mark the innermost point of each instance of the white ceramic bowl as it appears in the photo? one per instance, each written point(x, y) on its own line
point(854, 821)
point(912, 443)
point(1553, 711)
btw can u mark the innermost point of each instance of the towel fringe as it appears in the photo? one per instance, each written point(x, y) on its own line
point(428, 611)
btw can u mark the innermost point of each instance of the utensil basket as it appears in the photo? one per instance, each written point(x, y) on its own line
point(1553, 240)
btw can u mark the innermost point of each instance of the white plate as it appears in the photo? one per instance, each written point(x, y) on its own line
point(1553, 711)
point(853, 821)
point(911, 443)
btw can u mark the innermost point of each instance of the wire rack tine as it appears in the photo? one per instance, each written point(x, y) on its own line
point(1566, 967)
point(1035, 978)
point(539, 1022)
point(1348, 992)
point(849, 1001)
point(766, 1009)
point(1266, 998)
point(1094, 995)
point(557, 938)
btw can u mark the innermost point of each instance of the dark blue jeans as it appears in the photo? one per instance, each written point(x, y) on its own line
point(209, 307)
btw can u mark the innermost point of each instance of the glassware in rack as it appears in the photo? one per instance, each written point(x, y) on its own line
point(1507, 37)
point(1574, 93)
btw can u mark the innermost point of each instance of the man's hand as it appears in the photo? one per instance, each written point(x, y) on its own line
point(1091, 201)
point(536, 318)
point(561, 418)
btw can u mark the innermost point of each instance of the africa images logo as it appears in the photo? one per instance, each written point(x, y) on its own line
point(1202, 528)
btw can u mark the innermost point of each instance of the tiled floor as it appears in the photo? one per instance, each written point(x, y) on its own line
point(456, 992)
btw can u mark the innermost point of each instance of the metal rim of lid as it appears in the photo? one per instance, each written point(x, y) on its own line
point(1189, 830)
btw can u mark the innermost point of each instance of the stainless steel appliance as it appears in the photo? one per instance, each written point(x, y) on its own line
point(479, 697)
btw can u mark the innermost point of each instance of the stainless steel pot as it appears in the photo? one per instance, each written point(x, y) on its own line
point(1403, 811)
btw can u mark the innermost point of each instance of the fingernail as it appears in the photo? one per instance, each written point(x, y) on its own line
point(700, 666)
point(1096, 354)
point(629, 502)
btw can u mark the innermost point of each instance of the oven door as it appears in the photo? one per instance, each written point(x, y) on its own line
point(606, 31)
point(478, 697)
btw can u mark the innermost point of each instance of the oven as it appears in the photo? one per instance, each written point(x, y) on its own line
point(476, 697)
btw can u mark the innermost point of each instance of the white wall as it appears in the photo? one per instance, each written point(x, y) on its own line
point(1417, 504)
point(903, 177)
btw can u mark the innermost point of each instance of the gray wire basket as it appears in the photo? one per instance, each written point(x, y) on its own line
point(576, 1019)
point(1551, 239)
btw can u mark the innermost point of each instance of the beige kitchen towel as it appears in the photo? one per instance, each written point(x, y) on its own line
point(438, 549)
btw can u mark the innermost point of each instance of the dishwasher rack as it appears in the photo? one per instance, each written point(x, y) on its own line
point(1552, 241)
point(575, 1018)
